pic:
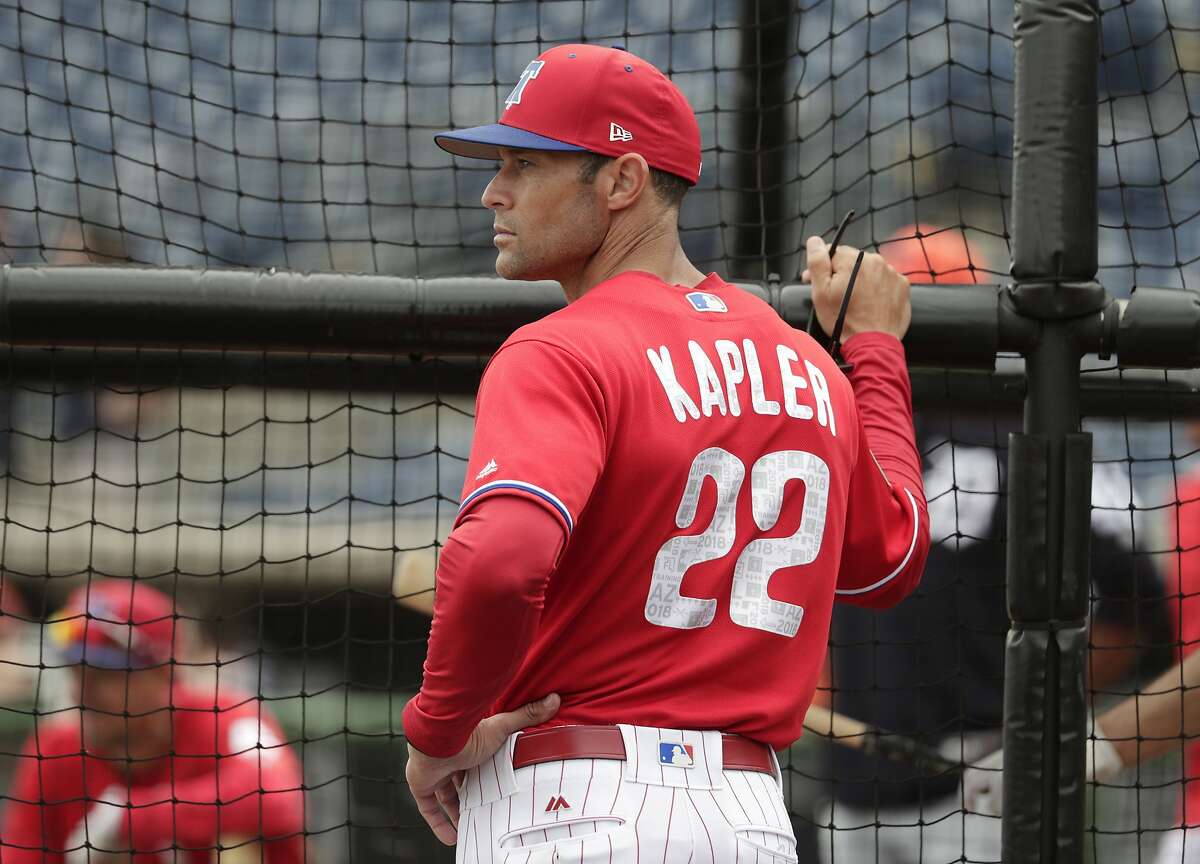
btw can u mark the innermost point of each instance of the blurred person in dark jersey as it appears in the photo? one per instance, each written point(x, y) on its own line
point(1162, 717)
point(932, 667)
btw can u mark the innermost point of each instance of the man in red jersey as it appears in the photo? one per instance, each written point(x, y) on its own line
point(667, 489)
point(150, 764)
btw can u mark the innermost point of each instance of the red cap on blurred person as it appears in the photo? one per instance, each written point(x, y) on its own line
point(576, 98)
point(925, 254)
point(115, 624)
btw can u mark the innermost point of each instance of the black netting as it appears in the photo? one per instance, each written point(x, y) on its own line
point(1149, 145)
point(292, 506)
point(1149, 196)
point(293, 529)
point(298, 134)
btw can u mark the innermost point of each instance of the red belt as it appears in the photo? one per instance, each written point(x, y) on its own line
point(605, 742)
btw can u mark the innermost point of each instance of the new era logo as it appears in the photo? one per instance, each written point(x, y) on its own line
point(618, 133)
point(679, 755)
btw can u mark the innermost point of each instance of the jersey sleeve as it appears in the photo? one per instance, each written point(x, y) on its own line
point(491, 588)
point(887, 534)
point(539, 431)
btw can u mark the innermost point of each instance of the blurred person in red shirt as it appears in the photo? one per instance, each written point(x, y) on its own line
point(148, 764)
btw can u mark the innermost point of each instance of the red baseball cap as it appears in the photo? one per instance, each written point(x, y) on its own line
point(579, 98)
point(115, 624)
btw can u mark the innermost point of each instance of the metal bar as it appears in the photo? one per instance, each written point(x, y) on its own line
point(263, 310)
point(1103, 393)
point(953, 325)
point(62, 370)
point(1160, 327)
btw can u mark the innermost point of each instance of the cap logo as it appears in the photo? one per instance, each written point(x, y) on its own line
point(618, 133)
point(531, 72)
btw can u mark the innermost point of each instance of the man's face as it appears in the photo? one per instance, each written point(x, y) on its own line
point(108, 695)
point(548, 224)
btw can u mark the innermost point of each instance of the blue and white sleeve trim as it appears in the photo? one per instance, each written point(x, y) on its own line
point(521, 485)
point(907, 555)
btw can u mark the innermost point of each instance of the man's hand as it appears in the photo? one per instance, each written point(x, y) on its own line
point(879, 302)
point(434, 782)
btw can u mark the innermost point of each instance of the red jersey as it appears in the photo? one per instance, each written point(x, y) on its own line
point(711, 472)
point(1183, 594)
point(229, 779)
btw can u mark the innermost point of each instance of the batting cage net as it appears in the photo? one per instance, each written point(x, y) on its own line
point(290, 507)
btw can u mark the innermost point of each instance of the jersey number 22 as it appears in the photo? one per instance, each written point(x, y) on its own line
point(750, 605)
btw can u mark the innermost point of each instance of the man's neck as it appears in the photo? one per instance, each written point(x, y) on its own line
point(650, 249)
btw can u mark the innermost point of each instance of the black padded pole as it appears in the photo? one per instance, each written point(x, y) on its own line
point(1054, 267)
point(959, 326)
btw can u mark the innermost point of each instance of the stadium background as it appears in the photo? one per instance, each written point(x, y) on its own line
point(297, 135)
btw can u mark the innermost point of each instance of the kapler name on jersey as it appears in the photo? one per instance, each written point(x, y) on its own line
point(727, 372)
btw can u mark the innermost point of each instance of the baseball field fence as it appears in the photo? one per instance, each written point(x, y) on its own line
point(245, 303)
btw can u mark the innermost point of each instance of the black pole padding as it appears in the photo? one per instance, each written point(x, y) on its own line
point(1071, 639)
point(1074, 591)
point(73, 368)
point(1040, 663)
point(958, 326)
point(1056, 46)
point(953, 326)
point(263, 309)
point(1027, 660)
point(1160, 327)
point(1034, 595)
point(1026, 582)
point(938, 311)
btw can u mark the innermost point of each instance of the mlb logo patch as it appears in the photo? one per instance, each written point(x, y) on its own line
point(703, 302)
point(677, 754)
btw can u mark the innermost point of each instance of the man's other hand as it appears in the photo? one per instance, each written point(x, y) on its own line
point(434, 782)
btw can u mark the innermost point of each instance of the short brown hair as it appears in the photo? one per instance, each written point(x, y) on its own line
point(670, 188)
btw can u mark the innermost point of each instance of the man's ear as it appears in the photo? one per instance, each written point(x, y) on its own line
point(630, 177)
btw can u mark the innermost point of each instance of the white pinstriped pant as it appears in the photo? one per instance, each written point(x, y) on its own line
point(639, 811)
